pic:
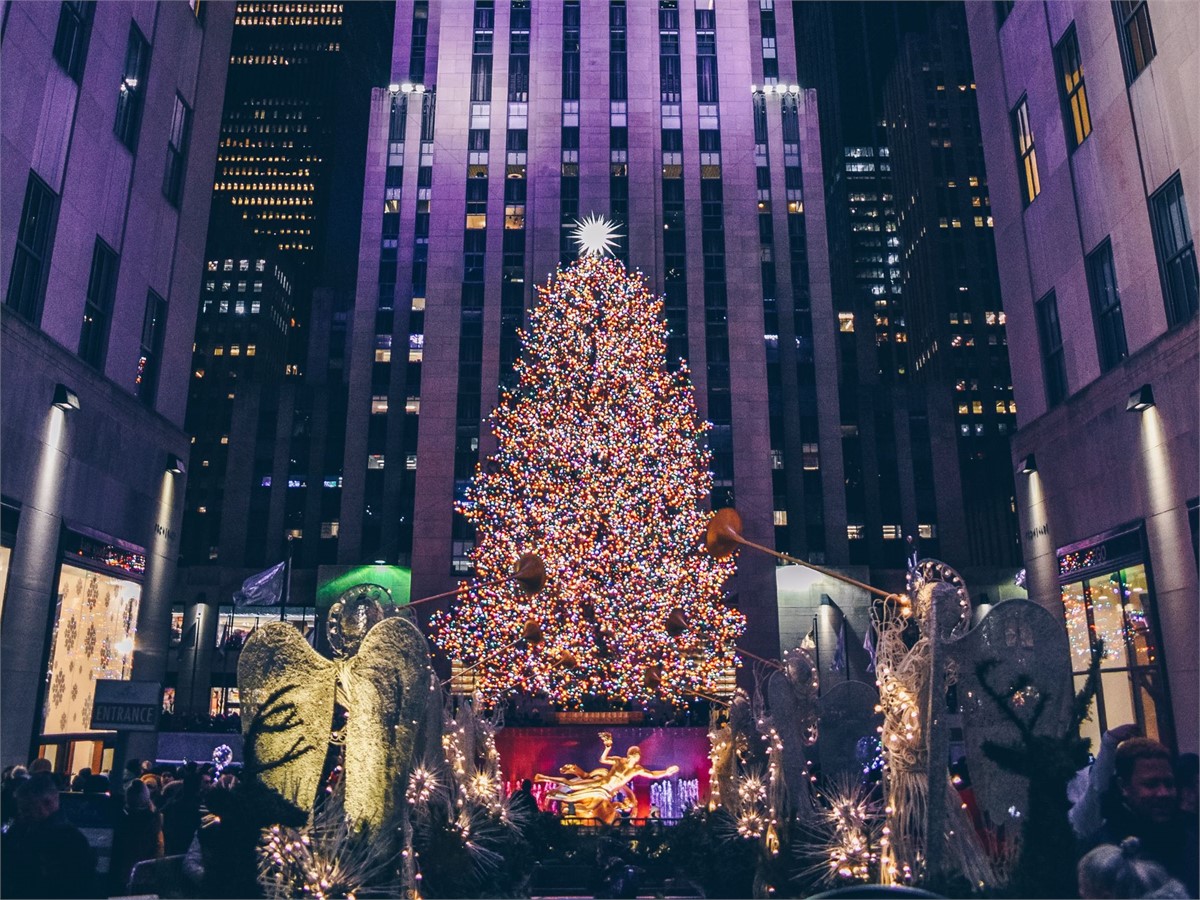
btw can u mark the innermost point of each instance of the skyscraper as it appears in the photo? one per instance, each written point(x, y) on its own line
point(1090, 140)
point(109, 123)
point(510, 120)
point(957, 343)
point(267, 393)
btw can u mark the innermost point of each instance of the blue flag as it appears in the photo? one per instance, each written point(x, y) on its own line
point(263, 589)
point(869, 646)
point(839, 653)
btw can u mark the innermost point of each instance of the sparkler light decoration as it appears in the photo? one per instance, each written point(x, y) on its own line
point(601, 468)
point(595, 235)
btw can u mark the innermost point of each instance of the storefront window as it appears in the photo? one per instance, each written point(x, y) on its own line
point(236, 625)
point(94, 627)
point(1116, 608)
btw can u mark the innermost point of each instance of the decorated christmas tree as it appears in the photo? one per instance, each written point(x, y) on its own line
point(601, 469)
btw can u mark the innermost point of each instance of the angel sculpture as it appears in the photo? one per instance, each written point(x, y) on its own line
point(601, 793)
point(289, 697)
point(908, 677)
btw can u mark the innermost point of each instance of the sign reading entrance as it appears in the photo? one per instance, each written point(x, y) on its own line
point(126, 705)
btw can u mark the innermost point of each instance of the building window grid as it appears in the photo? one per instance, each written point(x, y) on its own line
point(1026, 152)
point(1054, 366)
point(177, 150)
point(1106, 306)
point(97, 308)
point(132, 91)
point(154, 325)
point(1175, 249)
point(31, 256)
point(71, 38)
point(1072, 92)
point(1136, 36)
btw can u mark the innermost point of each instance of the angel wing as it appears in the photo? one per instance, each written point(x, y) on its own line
point(389, 687)
point(1025, 647)
point(287, 693)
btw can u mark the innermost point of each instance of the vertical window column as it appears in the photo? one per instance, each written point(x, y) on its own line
point(512, 288)
point(675, 300)
point(618, 133)
point(470, 341)
point(569, 177)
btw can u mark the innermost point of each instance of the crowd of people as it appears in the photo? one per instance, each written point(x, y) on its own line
point(152, 812)
point(1134, 812)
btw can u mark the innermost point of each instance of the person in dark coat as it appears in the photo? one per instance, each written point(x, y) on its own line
point(1146, 806)
point(43, 854)
point(138, 834)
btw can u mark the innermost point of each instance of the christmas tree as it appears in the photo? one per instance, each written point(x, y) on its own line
point(601, 470)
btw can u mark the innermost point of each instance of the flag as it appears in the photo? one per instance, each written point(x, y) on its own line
point(839, 653)
point(869, 646)
point(263, 589)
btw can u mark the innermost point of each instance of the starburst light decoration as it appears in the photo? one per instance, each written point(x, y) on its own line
point(595, 235)
point(601, 470)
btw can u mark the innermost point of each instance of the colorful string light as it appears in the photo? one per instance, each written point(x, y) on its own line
point(601, 469)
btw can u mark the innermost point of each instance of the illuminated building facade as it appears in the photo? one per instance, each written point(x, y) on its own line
point(110, 122)
point(509, 120)
point(1092, 149)
point(268, 381)
point(956, 339)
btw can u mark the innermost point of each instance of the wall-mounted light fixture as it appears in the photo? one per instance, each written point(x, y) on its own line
point(1028, 465)
point(175, 464)
point(65, 398)
point(1142, 398)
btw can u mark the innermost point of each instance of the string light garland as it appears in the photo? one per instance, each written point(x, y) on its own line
point(601, 468)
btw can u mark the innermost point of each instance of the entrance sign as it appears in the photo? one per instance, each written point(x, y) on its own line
point(126, 705)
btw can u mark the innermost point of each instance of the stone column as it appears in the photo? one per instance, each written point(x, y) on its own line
point(29, 600)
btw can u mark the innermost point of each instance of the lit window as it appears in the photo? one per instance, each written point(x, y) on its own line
point(846, 321)
point(811, 456)
point(251, 349)
point(1026, 153)
point(375, 461)
point(891, 532)
point(379, 404)
point(218, 350)
point(927, 531)
point(329, 530)
point(235, 349)
point(412, 406)
point(476, 220)
point(1072, 92)
point(856, 532)
point(781, 517)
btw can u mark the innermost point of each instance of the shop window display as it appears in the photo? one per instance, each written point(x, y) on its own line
point(94, 628)
point(1116, 607)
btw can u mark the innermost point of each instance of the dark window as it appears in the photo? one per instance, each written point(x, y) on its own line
point(706, 79)
point(1106, 306)
point(132, 91)
point(154, 323)
point(177, 150)
point(1026, 154)
point(518, 78)
point(1054, 365)
point(617, 82)
point(1175, 249)
point(1077, 116)
point(398, 120)
point(97, 310)
point(1137, 38)
point(71, 39)
point(420, 29)
point(481, 78)
point(485, 15)
point(27, 279)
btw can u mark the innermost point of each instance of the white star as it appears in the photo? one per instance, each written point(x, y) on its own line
point(595, 235)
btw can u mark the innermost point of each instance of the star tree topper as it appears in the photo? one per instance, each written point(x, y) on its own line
point(595, 235)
